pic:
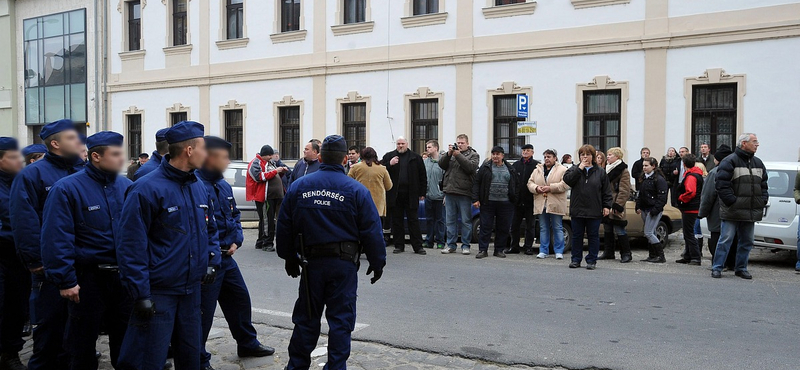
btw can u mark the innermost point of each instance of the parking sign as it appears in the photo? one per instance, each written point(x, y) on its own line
point(522, 105)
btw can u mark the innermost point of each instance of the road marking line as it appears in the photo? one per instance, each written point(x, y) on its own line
point(359, 326)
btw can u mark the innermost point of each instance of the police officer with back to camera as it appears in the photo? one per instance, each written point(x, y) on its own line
point(28, 194)
point(82, 219)
point(14, 277)
point(162, 148)
point(326, 221)
point(228, 288)
point(167, 248)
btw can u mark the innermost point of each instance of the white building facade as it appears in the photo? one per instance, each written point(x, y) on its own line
point(629, 73)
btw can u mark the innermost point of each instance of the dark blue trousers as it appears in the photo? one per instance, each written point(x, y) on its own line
point(495, 216)
point(591, 228)
point(146, 341)
point(231, 292)
point(15, 282)
point(49, 319)
point(332, 284)
point(102, 298)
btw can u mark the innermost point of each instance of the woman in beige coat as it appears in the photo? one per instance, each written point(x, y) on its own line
point(375, 177)
point(549, 202)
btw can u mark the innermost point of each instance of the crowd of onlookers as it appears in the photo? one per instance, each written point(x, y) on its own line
point(727, 187)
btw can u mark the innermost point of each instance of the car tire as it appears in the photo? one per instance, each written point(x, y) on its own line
point(567, 237)
point(662, 232)
point(476, 229)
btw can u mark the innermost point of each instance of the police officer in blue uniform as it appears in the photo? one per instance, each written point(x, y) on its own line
point(81, 216)
point(228, 287)
point(167, 248)
point(28, 194)
point(326, 221)
point(162, 147)
point(14, 277)
point(33, 152)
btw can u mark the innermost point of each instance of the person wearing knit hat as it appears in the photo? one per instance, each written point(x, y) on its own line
point(28, 194)
point(162, 148)
point(328, 219)
point(264, 186)
point(167, 248)
point(709, 207)
point(81, 217)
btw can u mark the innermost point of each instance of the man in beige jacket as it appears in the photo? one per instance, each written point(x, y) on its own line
point(550, 202)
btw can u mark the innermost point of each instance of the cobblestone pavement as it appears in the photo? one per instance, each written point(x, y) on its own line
point(365, 355)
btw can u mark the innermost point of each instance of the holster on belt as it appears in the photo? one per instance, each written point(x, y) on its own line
point(347, 251)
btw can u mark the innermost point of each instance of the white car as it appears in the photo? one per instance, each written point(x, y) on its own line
point(778, 228)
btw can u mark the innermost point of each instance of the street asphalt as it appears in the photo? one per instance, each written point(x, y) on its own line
point(525, 311)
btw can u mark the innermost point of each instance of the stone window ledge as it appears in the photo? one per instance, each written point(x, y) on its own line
point(132, 55)
point(180, 49)
point(351, 28)
point(509, 10)
point(581, 4)
point(290, 36)
point(424, 20)
point(232, 43)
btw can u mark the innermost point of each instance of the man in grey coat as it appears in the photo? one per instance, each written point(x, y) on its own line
point(460, 165)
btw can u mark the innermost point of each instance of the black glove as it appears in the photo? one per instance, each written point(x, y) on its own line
point(618, 208)
point(292, 268)
point(144, 309)
point(378, 272)
point(210, 276)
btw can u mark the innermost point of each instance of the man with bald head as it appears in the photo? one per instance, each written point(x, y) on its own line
point(407, 171)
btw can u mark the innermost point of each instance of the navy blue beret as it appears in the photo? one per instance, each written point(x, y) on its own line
point(82, 137)
point(183, 131)
point(161, 135)
point(104, 138)
point(8, 143)
point(334, 143)
point(56, 127)
point(215, 142)
point(34, 148)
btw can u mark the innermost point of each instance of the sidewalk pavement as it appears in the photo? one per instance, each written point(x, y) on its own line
point(365, 355)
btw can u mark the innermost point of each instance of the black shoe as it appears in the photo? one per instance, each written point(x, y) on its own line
point(513, 250)
point(659, 259)
point(260, 351)
point(11, 361)
point(168, 365)
point(529, 251)
point(482, 254)
point(626, 258)
point(398, 250)
point(574, 265)
point(695, 263)
point(269, 248)
point(499, 254)
point(684, 261)
point(716, 274)
point(27, 329)
point(259, 245)
point(421, 252)
point(209, 367)
point(606, 256)
point(591, 266)
point(744, 275)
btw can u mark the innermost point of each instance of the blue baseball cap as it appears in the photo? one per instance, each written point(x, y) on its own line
point(183, 131)
point(8, 143)
point(56, 127)
point(334, 143)
point(215, 142)
point(104, 138)
point(34, 148)
point(161, 135)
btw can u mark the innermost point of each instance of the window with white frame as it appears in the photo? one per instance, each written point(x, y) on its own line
point(425, 7)
point(354, 11)
point(290, 15)
point(179, 23)
point(134, 19)
point(234, 132)
point(235, 19)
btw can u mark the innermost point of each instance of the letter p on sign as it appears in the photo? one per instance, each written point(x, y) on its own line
point(522, 106)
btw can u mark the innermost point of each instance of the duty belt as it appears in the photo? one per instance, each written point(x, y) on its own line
point(102, 267)
point(348, 251)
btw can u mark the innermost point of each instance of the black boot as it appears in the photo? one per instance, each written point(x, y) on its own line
point(700, 246)
point(624, 248)
point(651, 253)
point(608, 247)
point(11, 361)
point(659, 254)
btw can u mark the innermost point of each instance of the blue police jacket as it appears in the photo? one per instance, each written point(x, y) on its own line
point(82, 219)
point(168, 234)
point(149, 166)
point(327, 206)
point(302, 168)
point(227, 215)
point(6, 234)
point(28, 194)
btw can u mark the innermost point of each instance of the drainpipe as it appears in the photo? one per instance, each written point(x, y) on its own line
point(97, 102)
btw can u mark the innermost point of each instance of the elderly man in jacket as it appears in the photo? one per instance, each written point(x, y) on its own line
point(549, 202)
point(459, 164)
point(409, 187)
point(743, 193)
point(524, 207)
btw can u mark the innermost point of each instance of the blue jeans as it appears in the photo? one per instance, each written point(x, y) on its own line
point(549, 222)
point(495, 216)
point(698, 230)
point(434, 212)
point(728, 231)
point(590, 227)
point(456, 205)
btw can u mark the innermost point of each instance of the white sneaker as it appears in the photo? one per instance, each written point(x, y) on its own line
point(559, 256)
point(465, 251)
point(541, 256)
point(448, 250)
